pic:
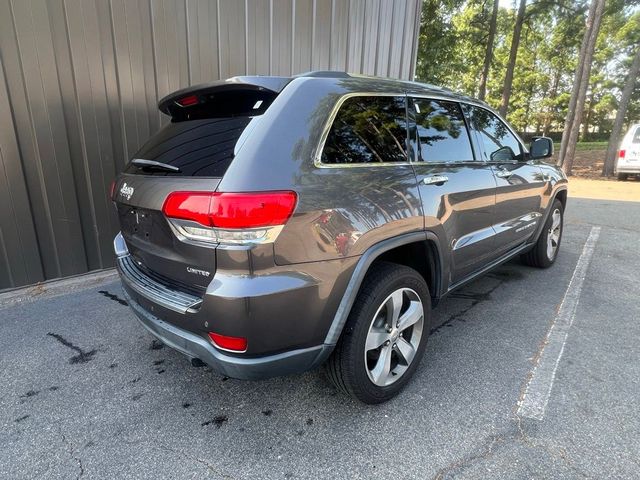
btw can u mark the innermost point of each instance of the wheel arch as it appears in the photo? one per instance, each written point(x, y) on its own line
point(559, 194)
point(413, 255)
point(404, 249)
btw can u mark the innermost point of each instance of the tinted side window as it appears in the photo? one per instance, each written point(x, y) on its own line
point(368, 130)
point(497, 142)
point(440, 131)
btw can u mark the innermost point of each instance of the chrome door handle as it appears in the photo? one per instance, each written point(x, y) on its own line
point(435, 180)
point(503, 173)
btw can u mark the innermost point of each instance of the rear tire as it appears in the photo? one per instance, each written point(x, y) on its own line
point(385, 335)
point(545, 251)
point(623, 176)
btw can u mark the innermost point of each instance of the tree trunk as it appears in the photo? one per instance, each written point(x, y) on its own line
point(627, 91)
point(576, 84)
point(587, 118)
point(482, 89)
point(581, 82)
point(554, 93)
point(513, 55)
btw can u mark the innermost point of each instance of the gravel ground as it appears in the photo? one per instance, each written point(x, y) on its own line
point(611, 189)
point(87, 392)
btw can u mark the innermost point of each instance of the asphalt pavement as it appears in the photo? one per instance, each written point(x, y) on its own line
point(86, 392)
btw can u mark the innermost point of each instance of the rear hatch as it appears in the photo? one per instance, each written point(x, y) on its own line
point(208, 125)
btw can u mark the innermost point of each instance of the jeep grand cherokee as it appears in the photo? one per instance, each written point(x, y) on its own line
point(277, 224)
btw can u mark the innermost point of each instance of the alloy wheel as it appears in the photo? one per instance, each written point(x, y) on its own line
point(553, 235)
point(394, 337)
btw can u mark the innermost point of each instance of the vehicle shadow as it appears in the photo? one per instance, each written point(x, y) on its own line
point(298, 391)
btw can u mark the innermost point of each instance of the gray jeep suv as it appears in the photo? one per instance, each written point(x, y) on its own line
point(277, 224)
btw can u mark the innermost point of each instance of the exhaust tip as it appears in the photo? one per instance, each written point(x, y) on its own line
point(197, 363)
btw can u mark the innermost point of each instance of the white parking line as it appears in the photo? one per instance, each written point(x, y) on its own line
point(533, 402)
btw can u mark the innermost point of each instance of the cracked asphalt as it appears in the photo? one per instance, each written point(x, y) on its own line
point(86, 392)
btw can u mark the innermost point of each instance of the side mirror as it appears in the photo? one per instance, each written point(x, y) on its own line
point(503, 154)
point(541, 147)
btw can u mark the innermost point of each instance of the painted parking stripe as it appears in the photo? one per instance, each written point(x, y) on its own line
point(533, 402)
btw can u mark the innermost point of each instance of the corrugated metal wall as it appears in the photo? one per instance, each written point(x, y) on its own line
point(79, 82)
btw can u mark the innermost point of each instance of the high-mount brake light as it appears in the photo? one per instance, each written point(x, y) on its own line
point(248, 217)
point(188, 101)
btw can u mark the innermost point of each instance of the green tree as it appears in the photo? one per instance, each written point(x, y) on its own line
point(513, 55)
point(579, 90)
point(540, 50)
point(488, 53)
point(437, 41)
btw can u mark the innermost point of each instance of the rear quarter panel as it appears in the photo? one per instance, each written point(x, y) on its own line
point(341, 211)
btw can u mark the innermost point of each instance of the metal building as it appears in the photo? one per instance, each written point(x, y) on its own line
point(79, 82)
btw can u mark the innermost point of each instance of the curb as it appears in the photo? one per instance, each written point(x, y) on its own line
point(53, 288)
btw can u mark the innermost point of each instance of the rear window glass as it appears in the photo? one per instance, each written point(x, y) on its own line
point(368, 129)
point(636, 136)
point(200, 148)
point(440, 131)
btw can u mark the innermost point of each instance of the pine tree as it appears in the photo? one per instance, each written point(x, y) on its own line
point(511, 65)
point(482, 89)
point(580, 84)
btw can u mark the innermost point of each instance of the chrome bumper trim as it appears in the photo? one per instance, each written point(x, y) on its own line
point(149, 287)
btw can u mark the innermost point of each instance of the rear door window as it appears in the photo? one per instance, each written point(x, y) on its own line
point(367, 129)
point(497, 143)
point(439, 133)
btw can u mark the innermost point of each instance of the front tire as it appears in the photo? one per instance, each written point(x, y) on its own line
point(385, 335)
point(545, 251)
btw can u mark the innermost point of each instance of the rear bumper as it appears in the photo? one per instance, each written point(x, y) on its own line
point(282, 339)
point(626, 168)
point(195, 346)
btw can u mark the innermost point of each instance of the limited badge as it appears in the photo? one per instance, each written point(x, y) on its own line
point(197, 271)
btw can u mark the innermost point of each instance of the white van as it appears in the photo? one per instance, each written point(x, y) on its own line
point(629, 154)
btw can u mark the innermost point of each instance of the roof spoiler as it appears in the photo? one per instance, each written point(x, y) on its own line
point(183, 98)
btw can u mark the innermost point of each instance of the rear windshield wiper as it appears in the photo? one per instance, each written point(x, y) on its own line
point(152, 164)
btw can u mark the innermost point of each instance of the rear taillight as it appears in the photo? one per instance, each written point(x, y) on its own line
point(232, 344)
point(255, 217)
point(112, 189)
point(192, 206)
point(622, 153)
point(231, 210)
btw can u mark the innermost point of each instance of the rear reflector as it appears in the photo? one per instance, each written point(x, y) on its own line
point(224, 342)
point(231, 210)
point(621, 153)
point(187, 101)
